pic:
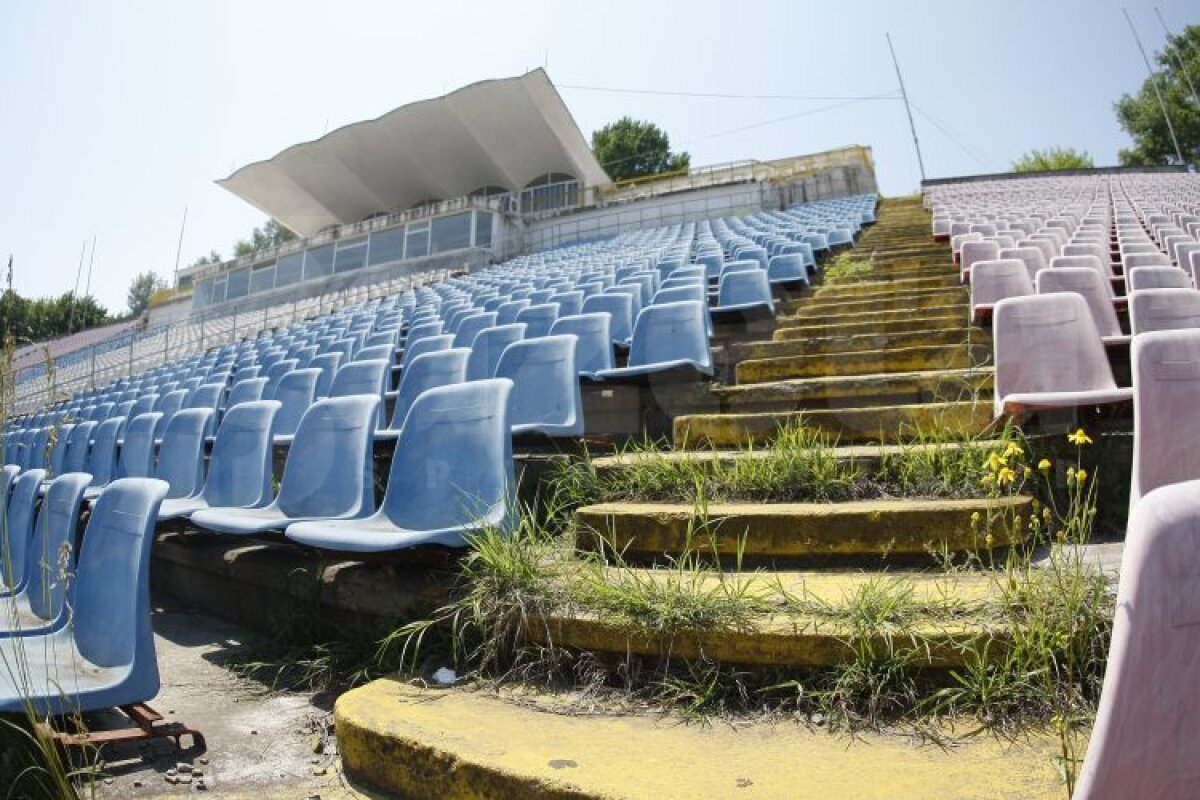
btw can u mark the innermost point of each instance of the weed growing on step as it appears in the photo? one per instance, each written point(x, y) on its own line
point(847, 269)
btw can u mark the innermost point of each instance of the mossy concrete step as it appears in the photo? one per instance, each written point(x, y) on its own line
point(817, 316)
point(884, 271)
point(871, 286)
point(914, 323)
point(823, 345)
point(865, 362)
point(870, 302)
point(858, 391)
point(431, 744)
point(884, 424)
point(790, 531)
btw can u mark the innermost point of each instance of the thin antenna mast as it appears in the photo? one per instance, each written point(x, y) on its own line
point(87, 291)
point(904, 94)
point(75, 291)
point(1178, 57)
point(179, 247)
point(1154, 84)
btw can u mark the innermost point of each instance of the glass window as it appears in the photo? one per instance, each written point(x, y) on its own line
point(387, 246)
point(451, 233)
point(202, 294)
point(483, 229)
point(417, 241)
point(318, 262)
point(351, 254)
point(288, 269)
point(218, 290)
point(239, 284)
point(262, 278)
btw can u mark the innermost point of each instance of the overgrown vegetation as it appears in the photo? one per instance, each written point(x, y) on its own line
point(845, 268)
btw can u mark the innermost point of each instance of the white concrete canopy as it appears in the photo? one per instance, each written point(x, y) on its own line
point(507, 132)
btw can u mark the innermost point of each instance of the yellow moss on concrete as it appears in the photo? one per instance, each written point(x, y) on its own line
point(793, 530)
point(890, 359)
point(919, 321)
point(448, 744)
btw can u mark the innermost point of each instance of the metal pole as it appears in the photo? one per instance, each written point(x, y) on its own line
point(1178, 57)
point(179, 247)
point(1154, 84)
point(904, 94)
point(75, 291)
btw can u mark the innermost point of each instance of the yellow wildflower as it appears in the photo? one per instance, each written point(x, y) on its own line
point(1013, 450)
point(1081, 474)
point(1044, 465)
point(1006, 476)
point(988, 480)
point(1079, 437)
point(989, 539)
point(1028, 473)
point(995, 461)
point(974, 517)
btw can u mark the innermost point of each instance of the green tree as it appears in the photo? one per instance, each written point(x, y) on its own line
point(271, 234)
point(1052, 158)
point(140, 289)
point(630, 148)
point(1141, 116)
point(213, 257)
point(47, 318)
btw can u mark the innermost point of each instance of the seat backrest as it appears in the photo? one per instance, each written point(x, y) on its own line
point(240, 470)
point(740, 288)
point(207, 395)
point(1047, 343)
point(328, 363)
point(1091, 286)
point(246, 391)
point(506, 314)
point(992, 281)
point(569, 302)
point(487, 347)
point(376, 352)
point(296, 391)
point(329, 468)
point(1140, 278)
point(453, 465)
point(363, 377)
point(1144, 740)
point(471, 326)
point(102, 460)
point(18, 527)
point(429, 344)
point(137, 450)
point(619, 307)
point(168, 405)
point(181, 456)
point(676, 294)
point(1032, 257)
point(58, 451)
point(1082, 262)
point(594, 347)
point(78, 444)
point(112, 589)
point(538, 319)
point(787, 267)
point(546, 393)
point(52, 547)
point(442, 368)
point(671, 332)
point(979, 251)
point(1166, 416)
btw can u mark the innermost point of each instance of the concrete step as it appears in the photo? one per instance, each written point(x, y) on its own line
point(916, 322)
point(854, 344)
point(865, 362)
point(884, 424)
point(864, 529)
point(430, 744)
point(818, 316)
point(870, 302)
point(858, 391)
point(881, 287)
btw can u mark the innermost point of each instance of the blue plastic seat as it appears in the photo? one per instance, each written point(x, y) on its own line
point(507, 313)
point(143, 405)
point(240, 469)
point(39, 605)
point(470, 327)
point(451, 473)
point(538, 319)
point(487, 348)
point(787, 270)
point(328, 473)
point(58, 451)
point(744, 291)
point(619, 308)
point(207, 395)
point(442, 368)
point(181, 456)
point(8, 474)
point(296, 392)
point(384, 352)
point(328, 363)
point(246, 391)
point(546, 398)
point(18, 529)
point(168, 405)
point(569, 303)
point(79, 441)
point(106, 657)
point(635, 295)
point(430, 344)
point(102, 460)
point(593, 347)
point(418, 332)
point(667, 337)
point(363, 377)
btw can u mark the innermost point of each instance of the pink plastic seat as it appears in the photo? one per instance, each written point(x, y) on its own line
point(1166, 416)
point(977, 251)
point(1091, 286)
point(992, 281)
point(1049, 355)
point(1032, 257)
point(1164, 310)
point(1140, 278)
point(1145, 743)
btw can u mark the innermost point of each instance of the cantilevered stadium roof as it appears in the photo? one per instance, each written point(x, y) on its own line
point(498, 133)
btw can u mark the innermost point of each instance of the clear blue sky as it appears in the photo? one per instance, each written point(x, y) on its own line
point(117, 115)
